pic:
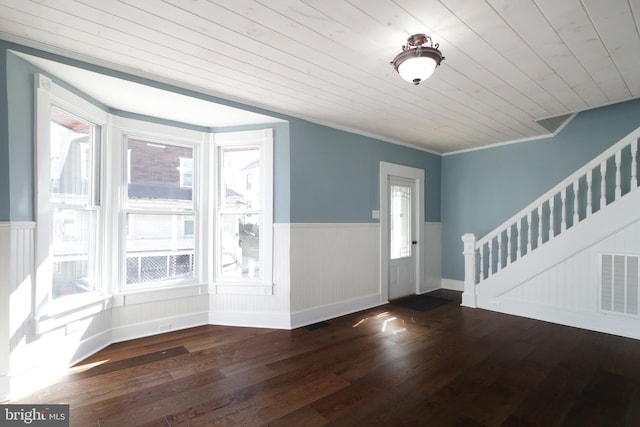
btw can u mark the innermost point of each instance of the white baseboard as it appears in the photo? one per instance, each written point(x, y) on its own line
point(5, 387)
point(159, 326)
point(319, 314)
point(589, 320)
point(432, 285)
point(277, 320)
point(90, 346)
point(454, 285)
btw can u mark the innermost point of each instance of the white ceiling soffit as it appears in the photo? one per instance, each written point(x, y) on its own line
point(137, 98)
point(508, 63)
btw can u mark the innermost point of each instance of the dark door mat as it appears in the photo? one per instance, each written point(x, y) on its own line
point(420, 302)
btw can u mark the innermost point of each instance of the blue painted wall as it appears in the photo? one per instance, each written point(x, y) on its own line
point(320, 174)
point(481, 189)
point(328, 175)
point(335, 174)
point(20, 94)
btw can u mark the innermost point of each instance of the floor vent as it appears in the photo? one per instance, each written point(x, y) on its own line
point(619, 284)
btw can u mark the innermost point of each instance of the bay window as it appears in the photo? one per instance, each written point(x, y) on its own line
point(128, 206)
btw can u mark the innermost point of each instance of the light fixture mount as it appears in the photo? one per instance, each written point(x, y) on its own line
point(418, 59)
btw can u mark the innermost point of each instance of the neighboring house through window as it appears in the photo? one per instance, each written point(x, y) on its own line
point(157, 205)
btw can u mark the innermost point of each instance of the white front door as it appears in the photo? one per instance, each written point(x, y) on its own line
point(402, 237)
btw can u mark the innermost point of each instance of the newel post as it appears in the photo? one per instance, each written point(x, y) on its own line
point(469, 252)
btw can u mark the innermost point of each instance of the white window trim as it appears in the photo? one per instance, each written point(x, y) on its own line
point(182, 174)
point(48, 94)
point(264, 286)
point(110, 290)
point(126, 127)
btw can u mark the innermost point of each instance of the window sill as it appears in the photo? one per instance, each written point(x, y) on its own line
point(148, 295)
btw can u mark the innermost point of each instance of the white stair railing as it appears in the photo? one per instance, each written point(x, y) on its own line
point(561, 208)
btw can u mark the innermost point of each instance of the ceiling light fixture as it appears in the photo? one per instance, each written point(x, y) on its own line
point(417, 61)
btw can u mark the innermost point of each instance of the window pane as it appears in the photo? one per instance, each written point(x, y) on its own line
point(159, 247)
point(73, 238)
point(70, 158)
point(240, 249)
point(159, 174)
point(240, 178)
point(400, 214)
point(186, 172)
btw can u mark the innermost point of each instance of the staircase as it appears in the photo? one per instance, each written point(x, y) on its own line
point(597, 201)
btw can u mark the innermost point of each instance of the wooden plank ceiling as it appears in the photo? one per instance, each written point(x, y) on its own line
point(508, 62)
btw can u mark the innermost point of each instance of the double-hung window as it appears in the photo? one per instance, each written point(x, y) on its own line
point(68, 204)
point(159, 212)
point(244, 209)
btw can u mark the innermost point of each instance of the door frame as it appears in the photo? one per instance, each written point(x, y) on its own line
point(417, 176)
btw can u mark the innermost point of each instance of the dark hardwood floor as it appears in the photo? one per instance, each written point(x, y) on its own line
point(388, 366)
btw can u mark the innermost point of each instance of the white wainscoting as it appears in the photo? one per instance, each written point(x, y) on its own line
point(433, 256)
point(568, 293)
point(141, 320)
point(335, 268)
point(454, 285)
point(16, 267)
point(336, 309)
point(332, 263)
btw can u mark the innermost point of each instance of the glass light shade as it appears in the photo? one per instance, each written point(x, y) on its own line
point(417, 68)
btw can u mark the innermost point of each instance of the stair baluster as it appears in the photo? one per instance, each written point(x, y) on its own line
point(634, 164)
point(603, 184)
point(551, 218)
point(589, 203)
point(499, 266)
point(576, 217)
point(529, 227)
point(508, 248)
point(490, 269)
point(481, 264)
point(563, 209)
point(539, 225)
point(519, 238)
point(618, 159)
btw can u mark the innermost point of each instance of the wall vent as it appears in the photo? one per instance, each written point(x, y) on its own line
point(619, 284)
point(553, 124)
